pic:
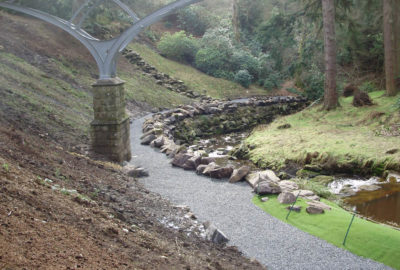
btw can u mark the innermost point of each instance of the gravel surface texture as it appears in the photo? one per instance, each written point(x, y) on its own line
point(228, 206)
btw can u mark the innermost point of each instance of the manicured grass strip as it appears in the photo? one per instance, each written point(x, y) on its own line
point(367, 239)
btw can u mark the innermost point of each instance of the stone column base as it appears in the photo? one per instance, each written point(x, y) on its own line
point(112, 140)
point(110, 129)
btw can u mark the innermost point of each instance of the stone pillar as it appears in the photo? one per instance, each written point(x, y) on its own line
point(110, 127)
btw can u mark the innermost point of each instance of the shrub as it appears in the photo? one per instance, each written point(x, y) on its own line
point(397, 104)
point(212, 61)
point(272, 81)
point(243, 60)
point(179, 47)
point(313, 82)
point(244, 78)
point(368, 87)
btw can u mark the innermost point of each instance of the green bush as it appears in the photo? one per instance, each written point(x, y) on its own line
point(368, 87)
point(313, 83)
point(179, 47)
point(212, 61)
point(244, 78)
point(243, 60)
point(272, 81)
point(397, 104)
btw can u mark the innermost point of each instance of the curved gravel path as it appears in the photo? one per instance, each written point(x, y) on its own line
point(257, 234)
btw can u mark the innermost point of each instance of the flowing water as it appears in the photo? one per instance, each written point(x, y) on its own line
point(375, 199)
point(382, 205)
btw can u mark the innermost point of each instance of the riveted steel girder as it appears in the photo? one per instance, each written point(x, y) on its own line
point(105, 52)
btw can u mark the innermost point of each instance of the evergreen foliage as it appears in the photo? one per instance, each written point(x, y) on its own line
point(244, 78)
point(179, 47)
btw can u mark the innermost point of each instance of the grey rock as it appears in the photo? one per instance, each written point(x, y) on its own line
point(221, 172)
point(201, 168)
point(180, 160)
point(159, 142)
point(254, 178)
point(216, 236)
point(286, 198)
point(239, 174)
point(265, 187)
point(265, 199)
point(288, 186)
point(314, 210)
point(148, 139)
point(303, 193)
point(318, 204)
point(207, 160)
point(295, 208)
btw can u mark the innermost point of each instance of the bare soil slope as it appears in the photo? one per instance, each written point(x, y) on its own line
point(59, 208)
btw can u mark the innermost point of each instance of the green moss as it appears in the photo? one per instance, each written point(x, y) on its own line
point(367, 239)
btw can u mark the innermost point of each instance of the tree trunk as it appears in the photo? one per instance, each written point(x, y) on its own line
point(330, 94)
point(235, 20)
point(396, 15)
point(390, 46)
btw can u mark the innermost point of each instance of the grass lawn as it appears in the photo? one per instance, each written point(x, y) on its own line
point(349, 135)
point(196, 80)
point(367, 239)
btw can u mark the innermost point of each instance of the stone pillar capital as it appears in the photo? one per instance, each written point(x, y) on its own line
point(108, 82)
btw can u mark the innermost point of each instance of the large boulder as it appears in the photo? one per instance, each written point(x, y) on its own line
point(239, 174)
point(201, 168)
point(186, 161)
point(221, 172)
point(266, 187)
point(254, 178)
point(148, 139)
point(288, 186)
point(319, 205)
point(207, 160)
point(214, 235)
point(286, 198)
point(158, 142)
point(210, 167)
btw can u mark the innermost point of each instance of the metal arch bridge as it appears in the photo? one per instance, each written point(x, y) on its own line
point(105, 52)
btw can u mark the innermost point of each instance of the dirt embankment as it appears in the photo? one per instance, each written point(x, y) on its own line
point(112, 224)
point(64, 210)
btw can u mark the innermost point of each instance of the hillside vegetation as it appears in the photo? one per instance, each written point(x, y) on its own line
point(195, 79)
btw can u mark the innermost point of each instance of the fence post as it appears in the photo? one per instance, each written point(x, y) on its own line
point(291, 207)
point(348, 229)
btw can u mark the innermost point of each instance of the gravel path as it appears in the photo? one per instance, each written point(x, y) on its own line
point(257, 234)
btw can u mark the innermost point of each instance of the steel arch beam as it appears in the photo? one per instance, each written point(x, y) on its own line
point(104, 52)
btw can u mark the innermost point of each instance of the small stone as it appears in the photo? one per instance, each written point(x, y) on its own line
point(138, 173)
point(265, 199)
point(314, 210)
point(295, 208)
